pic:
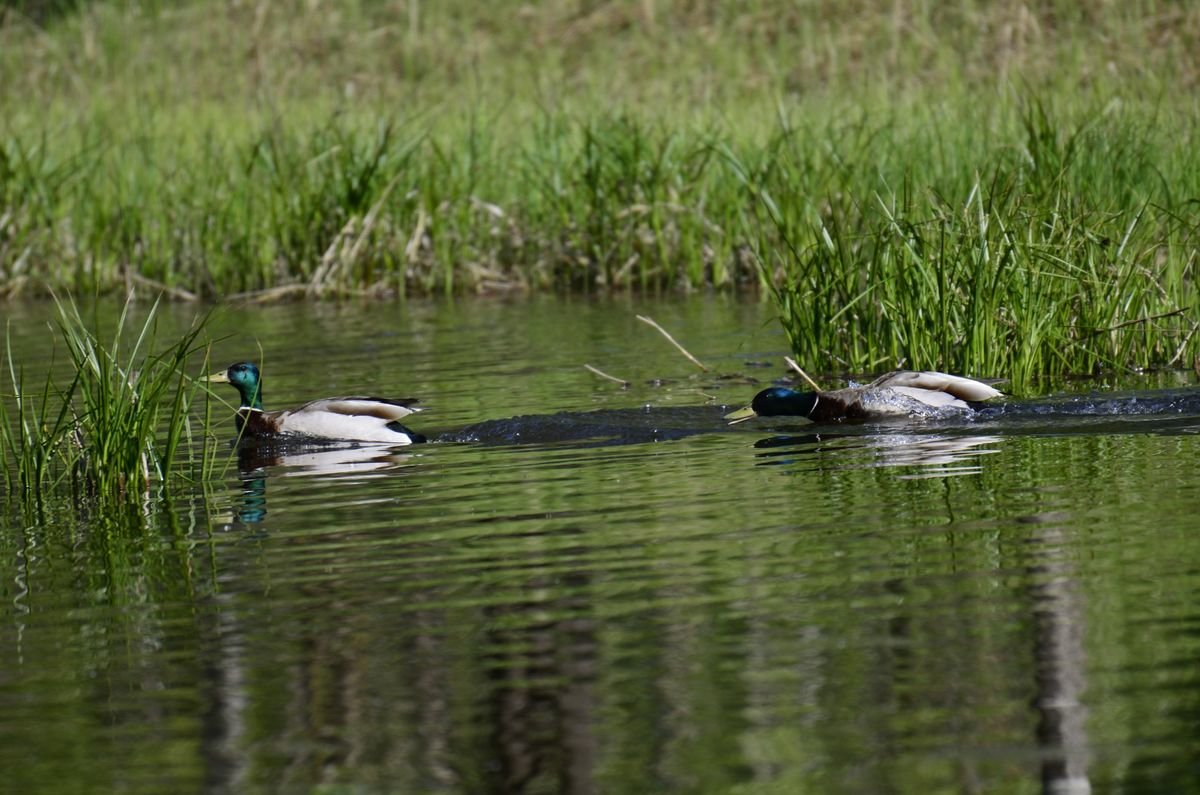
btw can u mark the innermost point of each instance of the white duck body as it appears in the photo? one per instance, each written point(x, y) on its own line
point(349, 419)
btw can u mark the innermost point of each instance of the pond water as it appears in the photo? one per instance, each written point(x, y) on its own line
point(615, 592)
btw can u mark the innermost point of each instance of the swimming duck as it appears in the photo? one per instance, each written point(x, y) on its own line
point(902, 393)
point(347, 419)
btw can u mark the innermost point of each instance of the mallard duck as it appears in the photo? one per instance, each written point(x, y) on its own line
point(898, 394)
point(347, 419)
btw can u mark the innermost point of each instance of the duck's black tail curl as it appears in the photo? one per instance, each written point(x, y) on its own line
point(398, 428)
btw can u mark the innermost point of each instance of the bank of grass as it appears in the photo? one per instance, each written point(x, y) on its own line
point(1072, 249)
point(993, 187)
point(109, 431)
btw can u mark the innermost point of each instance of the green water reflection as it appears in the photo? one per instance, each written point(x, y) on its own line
point(956, 610)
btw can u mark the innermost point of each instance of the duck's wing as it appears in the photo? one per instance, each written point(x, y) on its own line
point(930, 397)
point(384, 409)
point(954, 386)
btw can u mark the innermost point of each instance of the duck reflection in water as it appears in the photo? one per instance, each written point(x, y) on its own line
point(318, 460)
point(256, 462)
point(935, 455)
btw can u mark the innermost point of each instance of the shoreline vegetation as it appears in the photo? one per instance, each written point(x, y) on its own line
point(118, 429)
point(993, 188)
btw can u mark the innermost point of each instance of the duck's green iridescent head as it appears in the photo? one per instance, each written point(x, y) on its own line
point(777, 402)
point(780, 402)
point(245, 379)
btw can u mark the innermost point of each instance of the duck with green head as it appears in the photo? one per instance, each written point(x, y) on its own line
point(347, 419)
point(903, 393)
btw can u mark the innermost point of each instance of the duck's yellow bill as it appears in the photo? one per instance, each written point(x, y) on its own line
point(741, 415)
point(221, 377)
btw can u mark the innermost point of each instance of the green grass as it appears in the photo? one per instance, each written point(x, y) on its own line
point(990, 187)
point(1072, 249)
point(115, 428)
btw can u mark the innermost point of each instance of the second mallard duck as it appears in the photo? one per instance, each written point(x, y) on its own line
point(346, 419)
point(903, 393)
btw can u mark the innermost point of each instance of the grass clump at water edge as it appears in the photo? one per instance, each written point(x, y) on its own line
point(1059, 256)
point(117, 425)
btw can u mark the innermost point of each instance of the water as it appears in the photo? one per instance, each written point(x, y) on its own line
point(615, 592)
